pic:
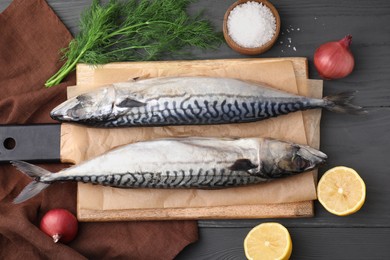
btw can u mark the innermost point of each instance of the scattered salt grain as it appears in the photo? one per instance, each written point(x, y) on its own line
point(251, 24)
point(286, 40)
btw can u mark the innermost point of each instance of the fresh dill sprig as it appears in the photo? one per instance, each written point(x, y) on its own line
point(135, 31)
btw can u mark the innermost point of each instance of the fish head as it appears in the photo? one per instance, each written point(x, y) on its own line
point(93, 106)
point(281, 159)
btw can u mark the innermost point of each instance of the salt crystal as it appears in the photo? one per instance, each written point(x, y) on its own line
point(289, 40)
point(251, 24)
point(298, 29)
point(295, 49)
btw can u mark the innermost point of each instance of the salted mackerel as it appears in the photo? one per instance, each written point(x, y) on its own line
point(193, 162)
point(188, 101)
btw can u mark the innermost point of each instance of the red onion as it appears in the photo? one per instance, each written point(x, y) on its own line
point(334, 60)
point(60, 224)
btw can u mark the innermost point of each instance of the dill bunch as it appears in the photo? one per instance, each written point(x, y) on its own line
point(135, 31)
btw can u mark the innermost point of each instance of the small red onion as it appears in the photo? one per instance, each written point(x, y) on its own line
point(59, 224)
point(334, 60)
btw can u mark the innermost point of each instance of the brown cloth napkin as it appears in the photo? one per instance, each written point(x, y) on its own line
point(30, 37)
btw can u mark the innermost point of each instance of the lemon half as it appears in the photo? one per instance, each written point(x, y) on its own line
point(341, 191)
point(268, 241)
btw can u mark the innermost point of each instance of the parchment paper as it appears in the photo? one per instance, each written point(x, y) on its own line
point(80, 143)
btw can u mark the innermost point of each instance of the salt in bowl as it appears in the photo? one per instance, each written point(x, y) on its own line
point(251, 50)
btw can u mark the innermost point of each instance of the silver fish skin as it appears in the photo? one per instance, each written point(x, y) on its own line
point(202, 163)
point(188, 101)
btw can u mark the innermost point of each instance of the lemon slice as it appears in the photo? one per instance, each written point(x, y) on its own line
point(341, 191)
point(268, 241)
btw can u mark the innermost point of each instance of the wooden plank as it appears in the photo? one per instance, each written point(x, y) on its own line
point(87, 75)
point(286, 210)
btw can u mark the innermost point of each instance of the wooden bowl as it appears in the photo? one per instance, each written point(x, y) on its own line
point(257, 50)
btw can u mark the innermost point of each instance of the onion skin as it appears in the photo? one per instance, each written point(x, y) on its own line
point(59, 224)
point(334, 60)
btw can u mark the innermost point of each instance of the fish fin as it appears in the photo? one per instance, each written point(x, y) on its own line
point(138, 78)
point(30, 169)
point(242, 165)
point(32, 189)
point(341, 103)
point(128, 102)
point(35, 186)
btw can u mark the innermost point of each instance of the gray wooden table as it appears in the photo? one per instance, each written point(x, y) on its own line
point(358, 142)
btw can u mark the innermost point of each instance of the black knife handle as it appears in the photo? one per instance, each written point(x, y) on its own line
point(36, 143)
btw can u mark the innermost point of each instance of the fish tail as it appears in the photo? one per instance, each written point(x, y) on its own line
point(35, 187)
point(340, 103)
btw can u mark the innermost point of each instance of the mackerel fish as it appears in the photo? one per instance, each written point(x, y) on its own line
point(189, 101)
point(192, 162)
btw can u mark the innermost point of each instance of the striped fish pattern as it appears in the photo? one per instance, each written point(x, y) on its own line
point(199, 178)
point(187, 101)
point(202, 110)
point(203, 163)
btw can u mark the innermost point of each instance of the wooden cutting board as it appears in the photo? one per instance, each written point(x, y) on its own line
point(86, 76)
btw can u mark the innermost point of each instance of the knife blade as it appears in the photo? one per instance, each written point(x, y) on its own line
point(34, 143)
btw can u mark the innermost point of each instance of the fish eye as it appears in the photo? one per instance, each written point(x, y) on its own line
point(300, 163)
point(83, 98)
